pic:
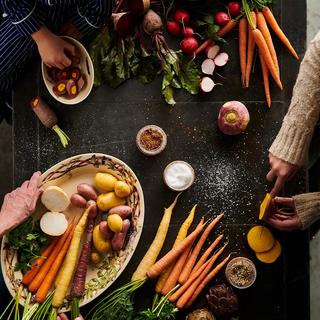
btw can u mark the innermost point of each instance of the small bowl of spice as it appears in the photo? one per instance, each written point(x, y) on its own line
point(178, 175)
point(241, 272)
point(151, 140)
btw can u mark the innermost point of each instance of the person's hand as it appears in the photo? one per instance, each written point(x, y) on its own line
point(280, 170)
point(53, 49)
point(19, 204)
point(68, 29)
point(62, 316)
point(282, 214)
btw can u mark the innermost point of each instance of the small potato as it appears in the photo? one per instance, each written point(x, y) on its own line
point(95, 257)
point(122, 189)
point(123, 211)
point(115, 223)
point(101, 245)
point(94, 209)
point(78, 200)
point(87, 191)
point(106, 201)
point(105, 181)
point(118, 239)
point(105, 230)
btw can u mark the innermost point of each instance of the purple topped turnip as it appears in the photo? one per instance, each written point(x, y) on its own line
point(233, 118)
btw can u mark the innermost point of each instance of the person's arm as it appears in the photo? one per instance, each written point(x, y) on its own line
point(289, 150)
point(24, 14)
point(92, 14)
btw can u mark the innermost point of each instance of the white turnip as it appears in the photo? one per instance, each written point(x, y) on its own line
point(152, 22)
point(221, 59)
point(207, 66)
point(212, 51)
point(189, 46)
point(233, 118)
point(221, 18)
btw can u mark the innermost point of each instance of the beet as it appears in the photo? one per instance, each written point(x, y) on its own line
point(138, 7)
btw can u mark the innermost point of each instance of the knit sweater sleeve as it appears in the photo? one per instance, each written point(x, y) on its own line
point(293, 140)
point(308, 208)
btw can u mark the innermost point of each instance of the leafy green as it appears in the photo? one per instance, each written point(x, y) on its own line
point(28, 240)
point(148, 69)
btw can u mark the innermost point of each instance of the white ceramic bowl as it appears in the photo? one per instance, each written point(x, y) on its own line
point(87, 70)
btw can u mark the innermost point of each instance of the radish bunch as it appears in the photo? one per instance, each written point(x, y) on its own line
point(214, 59)
point(180, 26)
point(221, 18)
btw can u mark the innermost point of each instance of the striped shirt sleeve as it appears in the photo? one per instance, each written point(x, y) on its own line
point(92, 14)
point(24, 14)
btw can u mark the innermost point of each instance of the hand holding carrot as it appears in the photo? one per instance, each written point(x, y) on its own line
point(62, 316)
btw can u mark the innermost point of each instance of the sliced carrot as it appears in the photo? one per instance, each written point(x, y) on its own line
point(265, 74)
point(250, 53)
point(262, 26)
point(165, 261)
point(195, 252)
point(29, 275)
point(37, 281)
point(227, 28)
point(208, 278)
point(48, 280)
point(243, 31)
point(262, 45)
point(206, 254)
point(277, 30)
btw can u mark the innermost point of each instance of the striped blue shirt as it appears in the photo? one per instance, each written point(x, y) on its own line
point(29, 15)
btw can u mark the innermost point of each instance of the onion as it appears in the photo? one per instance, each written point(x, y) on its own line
point(233, 118)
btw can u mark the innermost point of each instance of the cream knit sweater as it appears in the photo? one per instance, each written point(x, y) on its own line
point(293, 140)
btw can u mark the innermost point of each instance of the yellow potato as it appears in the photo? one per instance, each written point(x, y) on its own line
point(95, 257)
point(122, 189)
point(105, 181)
point(101, 245)
point(106, 201)
point(260, 239)
point(115, 223)
point(272, 255)
point(264, 207)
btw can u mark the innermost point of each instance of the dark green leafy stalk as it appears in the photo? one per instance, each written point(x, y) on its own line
point(42, 312)
point(28, 240)
point(75, 308)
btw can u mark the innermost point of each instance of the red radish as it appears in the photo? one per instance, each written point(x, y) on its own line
point(188, 32)
point(233, 118)
point(221, 59)
point(173, 28)
point(182, 16)
point(234, 8)
point(189, 45)
point(212, 51)
point(221, 18)
point(206, 84)
point(207, 66)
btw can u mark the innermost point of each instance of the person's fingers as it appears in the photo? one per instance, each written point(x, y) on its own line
point(286, 201)
point(34, 181)
point(66, 61)
point(277, 186)
point(25, 184)
point(281, 216)
point(69, 47)
point(63, 316)
point(49, 65)
point(271, 175)
point(285, 225)
point(78, 318)
point(59, 65)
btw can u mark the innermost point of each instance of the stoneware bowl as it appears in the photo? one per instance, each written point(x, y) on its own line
point(87, 71)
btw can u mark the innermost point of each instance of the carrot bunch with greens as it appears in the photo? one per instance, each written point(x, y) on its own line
point(254, 32)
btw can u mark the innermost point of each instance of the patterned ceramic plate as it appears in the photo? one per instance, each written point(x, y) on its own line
point(67, 174)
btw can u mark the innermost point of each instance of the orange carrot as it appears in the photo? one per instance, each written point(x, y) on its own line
point(37, 281)
point(262, 26)
point(202, 47)
point(174, 274)
point(250, 52)
point(263, 48)
point(177, 294)
point(49, 278)
point(277, 30)
point(189, 291)
point(206, 254)
point(29, 275)
point(227, 28)
point(195, 252)
point(165, 261)
point(208, 278)
point(265, 74)
point(243, 30)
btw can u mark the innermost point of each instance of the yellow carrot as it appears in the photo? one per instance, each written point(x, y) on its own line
point(183, 231)
point(152, 254)
point(66, 273)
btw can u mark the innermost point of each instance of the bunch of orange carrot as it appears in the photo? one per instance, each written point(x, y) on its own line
point(254, 32)
point(184, 268)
